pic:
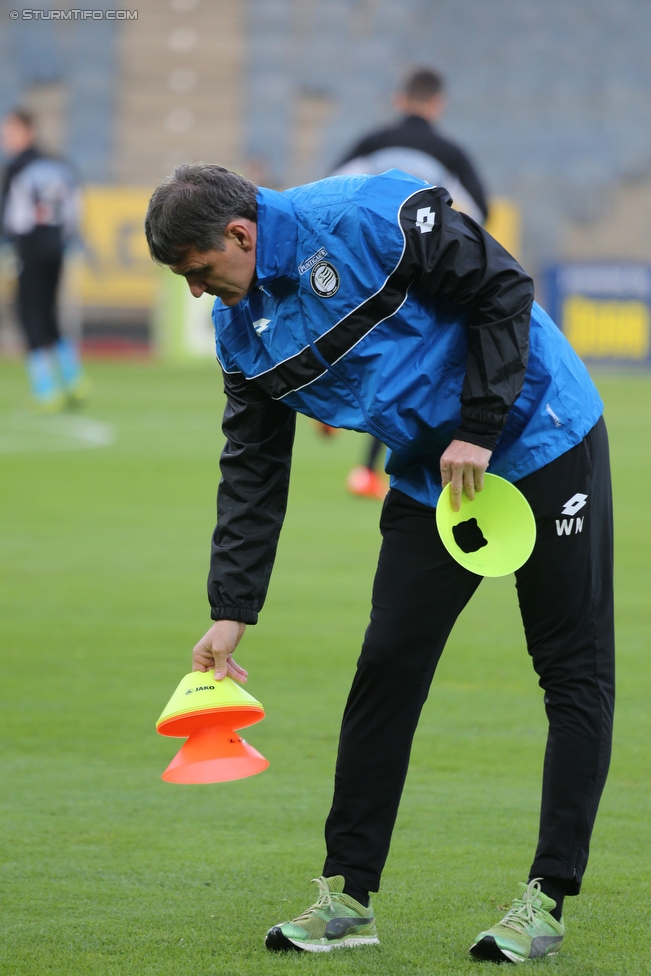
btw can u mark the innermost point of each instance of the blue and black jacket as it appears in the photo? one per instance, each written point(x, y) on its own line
point(379, 308)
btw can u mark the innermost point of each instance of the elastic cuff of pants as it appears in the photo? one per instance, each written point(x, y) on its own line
point(358, 879)
point(548, 869)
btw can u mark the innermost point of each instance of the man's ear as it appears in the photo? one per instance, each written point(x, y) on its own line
point(242, 232)
point(439, 103)
point(398, 100)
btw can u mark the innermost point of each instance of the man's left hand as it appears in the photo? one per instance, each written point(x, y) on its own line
point(463, 466)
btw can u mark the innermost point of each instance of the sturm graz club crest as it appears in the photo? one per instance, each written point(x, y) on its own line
point(324, 279)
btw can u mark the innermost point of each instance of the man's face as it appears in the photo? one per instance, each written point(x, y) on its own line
point(430, 108)
point(15, 136)
point(228, 274)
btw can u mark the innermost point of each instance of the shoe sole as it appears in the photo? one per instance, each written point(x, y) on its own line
point(344, 944)
point(276, 941)
point(488, 950)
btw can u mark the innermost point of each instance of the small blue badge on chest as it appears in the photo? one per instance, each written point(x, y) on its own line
point(324, 279)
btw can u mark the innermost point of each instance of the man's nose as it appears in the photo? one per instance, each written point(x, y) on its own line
point(196, 289)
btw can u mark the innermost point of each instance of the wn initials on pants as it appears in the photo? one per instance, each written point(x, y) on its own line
point(564, 526)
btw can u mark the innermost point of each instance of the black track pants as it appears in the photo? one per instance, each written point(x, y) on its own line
point(41, 257)
point(565, 595)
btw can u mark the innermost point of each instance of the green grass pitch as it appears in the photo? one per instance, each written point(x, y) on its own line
point(107, 870)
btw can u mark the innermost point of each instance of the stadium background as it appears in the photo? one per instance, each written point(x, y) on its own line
point(105, 515)
point(551, 99)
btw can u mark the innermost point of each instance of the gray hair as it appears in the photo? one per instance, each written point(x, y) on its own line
point(192, 208)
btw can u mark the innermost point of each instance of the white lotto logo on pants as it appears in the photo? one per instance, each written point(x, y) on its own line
point(575, 504)
point(571, 507)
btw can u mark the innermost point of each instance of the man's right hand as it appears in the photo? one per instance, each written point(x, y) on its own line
point(215, 650)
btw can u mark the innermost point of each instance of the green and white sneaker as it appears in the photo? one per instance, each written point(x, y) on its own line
point(335, 920)
point(527, 931)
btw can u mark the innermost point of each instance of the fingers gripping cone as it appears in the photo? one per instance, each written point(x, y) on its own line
point(208, 712)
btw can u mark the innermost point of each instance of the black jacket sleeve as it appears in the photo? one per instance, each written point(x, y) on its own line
point(455, 257)
point(464, 169)
point(251, 499)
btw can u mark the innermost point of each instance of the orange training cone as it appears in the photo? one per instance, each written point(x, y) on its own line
point(214, 755)
point(208, 711)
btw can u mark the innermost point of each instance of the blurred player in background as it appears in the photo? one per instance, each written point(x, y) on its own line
point(40, 208)
point(413, 145)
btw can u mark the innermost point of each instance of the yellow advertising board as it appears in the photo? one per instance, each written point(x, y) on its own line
point(604, 309)
point(116, 270)
point(504, 224)
point(607, 329)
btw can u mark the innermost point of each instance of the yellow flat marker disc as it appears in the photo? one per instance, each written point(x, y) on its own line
point(493, 535)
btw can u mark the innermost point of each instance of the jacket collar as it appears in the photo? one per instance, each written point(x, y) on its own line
point(418, 122)
point(277, 237)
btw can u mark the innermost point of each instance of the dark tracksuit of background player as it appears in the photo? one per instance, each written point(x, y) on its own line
point(415, 132)
point(564, 591)
point(40, 253)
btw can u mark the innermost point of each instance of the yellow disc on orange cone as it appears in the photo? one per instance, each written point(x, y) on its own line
point(199, 695)
point(493, 535)
point(209, 712)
